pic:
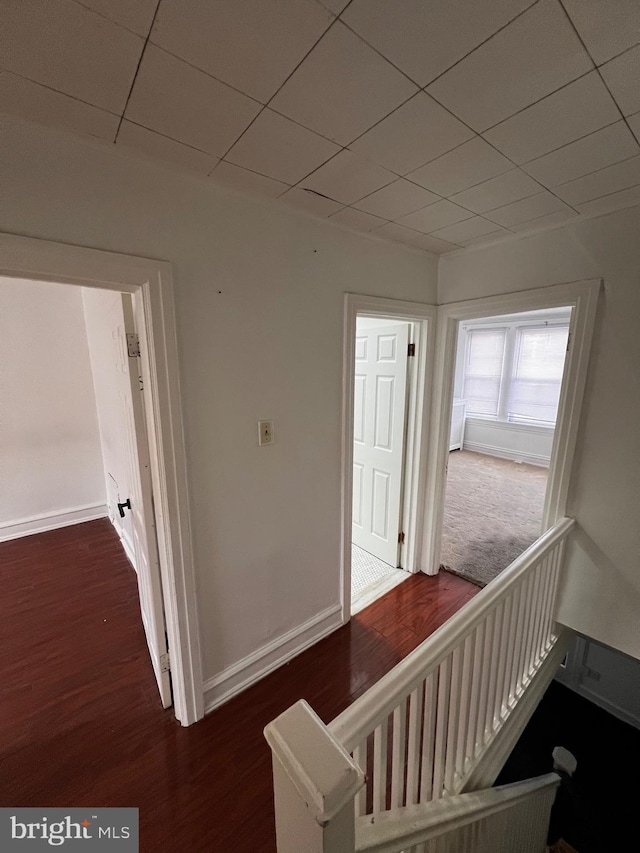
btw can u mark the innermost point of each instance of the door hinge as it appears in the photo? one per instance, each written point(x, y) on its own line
point(401, 538)
point(165, 662)
point(411, 350)
point(133, 345)
point(568, 341)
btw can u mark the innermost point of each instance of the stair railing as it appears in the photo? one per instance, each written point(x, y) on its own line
point(422, 731)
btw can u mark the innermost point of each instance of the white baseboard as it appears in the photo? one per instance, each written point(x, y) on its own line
point(51, 521)
point(236, 678)
point(125, 541)
point(515, 456)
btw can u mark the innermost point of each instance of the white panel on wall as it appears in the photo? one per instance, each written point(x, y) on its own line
point(380, 504)
point(49, 443)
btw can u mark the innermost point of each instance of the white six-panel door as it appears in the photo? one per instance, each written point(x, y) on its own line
point(378, 438)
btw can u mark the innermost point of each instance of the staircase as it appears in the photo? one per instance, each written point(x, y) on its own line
point(408, 767)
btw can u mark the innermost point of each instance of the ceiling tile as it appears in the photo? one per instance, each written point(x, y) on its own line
point(279, 148)
point(31, 101)
point(528, 208)
point(576, 110)
point(603, 182)
point(536, 54)
point(146, 141)
point(435, 245)
point(228, 175)
point(357, 219)
point(253, 45)
point(186, 104)
point(467, 230)
point(137, 16)
point(424, 39)
point(396, 200)
point(342, 88)
point(400, 234)
point(602, 148)
point(622, 76)
point(310, 202)
point(498, 191)
point(348, 178)
point(545, 221)
point(335, 6)
point(634, 124)
point(435, 216)
point(485, 239)
point(465, 166)
point(416, 132)
point(69, 48)
point(614, 201)
point(607, 28)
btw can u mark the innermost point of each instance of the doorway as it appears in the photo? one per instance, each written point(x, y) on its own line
point(150, 283)
point(384, 348)
point(388, 360)
point(508, 377)
point(581, 297)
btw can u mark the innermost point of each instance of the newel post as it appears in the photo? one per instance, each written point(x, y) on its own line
point(315, 782)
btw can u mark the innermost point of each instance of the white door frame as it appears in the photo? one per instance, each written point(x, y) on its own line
point(582, 296)
point(41, 260)
point(419, 380)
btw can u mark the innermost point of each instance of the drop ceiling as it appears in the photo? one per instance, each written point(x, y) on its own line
point(437, 124)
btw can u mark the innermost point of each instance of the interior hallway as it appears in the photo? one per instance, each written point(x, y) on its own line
point(80, 718)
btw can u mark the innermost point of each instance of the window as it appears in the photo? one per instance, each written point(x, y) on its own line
point(534, 390)
point(513, 372)
point(483, 370)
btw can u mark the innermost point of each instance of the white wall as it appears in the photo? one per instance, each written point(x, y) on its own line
point(259, 302)
point(601, 593)
point(49, 447)
point(519, 442)
point(106, 337)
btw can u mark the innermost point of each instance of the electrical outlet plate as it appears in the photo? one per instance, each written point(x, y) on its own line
point(265, 432)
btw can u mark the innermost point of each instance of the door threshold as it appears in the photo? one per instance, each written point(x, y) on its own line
point(377, 590)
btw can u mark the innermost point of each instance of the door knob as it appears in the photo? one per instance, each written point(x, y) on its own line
point(123, 506)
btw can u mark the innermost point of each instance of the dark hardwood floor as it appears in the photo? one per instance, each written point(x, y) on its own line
point(80, 719)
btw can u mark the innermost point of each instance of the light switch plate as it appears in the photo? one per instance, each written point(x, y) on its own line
point(265, 432)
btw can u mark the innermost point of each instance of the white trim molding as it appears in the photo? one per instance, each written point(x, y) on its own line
point(150, 281)
point(255, 666)
point(582, 297)
point(51, 520)
point(500, 452)
point(423, 317)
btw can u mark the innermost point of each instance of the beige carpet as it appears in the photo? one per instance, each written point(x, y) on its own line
point(493, 510)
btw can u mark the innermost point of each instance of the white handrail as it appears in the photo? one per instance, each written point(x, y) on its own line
point(439, 723)
point(359, 719)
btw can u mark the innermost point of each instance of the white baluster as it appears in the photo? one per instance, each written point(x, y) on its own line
point(398, 755)
point(413, 745)
point(380, 767)
point(360, 758)
point(428, 738)
point(442, 721)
